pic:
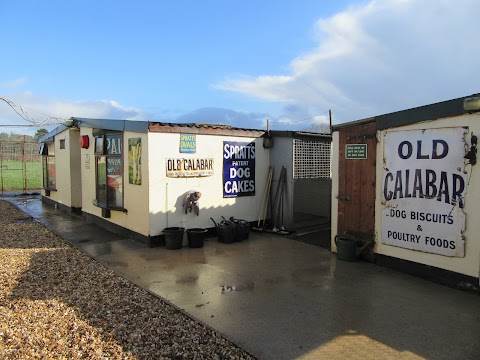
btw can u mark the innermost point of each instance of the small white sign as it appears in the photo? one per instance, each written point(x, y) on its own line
point(423, 191)
point(87, 161)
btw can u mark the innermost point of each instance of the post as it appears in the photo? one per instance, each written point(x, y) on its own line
point(1, 164)
point(330, 116)
point(24, 167)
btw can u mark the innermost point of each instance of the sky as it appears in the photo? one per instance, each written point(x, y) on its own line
point(237, 63)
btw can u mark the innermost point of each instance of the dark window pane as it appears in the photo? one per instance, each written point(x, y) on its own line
point(102, 181)
point(115, 181)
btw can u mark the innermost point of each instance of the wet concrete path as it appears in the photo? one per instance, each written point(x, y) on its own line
point(284, 299)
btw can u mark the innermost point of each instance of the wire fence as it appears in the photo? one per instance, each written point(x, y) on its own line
point(20, 166)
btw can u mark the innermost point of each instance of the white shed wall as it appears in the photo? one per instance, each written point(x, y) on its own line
point(167, 194)
point(67, 177)
point(281, 154)
point(136, 198)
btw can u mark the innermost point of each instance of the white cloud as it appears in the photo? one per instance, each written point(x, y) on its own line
point(379, 57)
point(10, 84)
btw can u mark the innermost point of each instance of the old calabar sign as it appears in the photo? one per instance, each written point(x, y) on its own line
point(423, 190)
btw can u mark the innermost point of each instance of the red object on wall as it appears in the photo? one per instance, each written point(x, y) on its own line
point(84, 141)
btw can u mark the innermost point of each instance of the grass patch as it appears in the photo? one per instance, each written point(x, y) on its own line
point(12, 175)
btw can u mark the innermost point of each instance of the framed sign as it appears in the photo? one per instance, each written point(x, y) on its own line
point(238, 169)
point(355, 151)
point(188, 143)
point(135, 161)
point(99, 149)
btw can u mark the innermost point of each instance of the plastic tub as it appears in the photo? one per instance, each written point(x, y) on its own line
point(196, 237)
point(173, 237)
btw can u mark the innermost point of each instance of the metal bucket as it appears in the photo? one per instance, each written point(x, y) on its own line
point(347, 247)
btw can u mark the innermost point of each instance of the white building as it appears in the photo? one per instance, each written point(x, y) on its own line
point(133, 176)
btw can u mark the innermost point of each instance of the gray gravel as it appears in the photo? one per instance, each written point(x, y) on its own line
point(56, 302)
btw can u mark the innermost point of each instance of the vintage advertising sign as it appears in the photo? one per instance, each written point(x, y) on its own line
point(423, 190)
point(189, 167)
point(188, 144)
point(135, 161)
point(238, 169)
point(355, 151)
point(114, 144)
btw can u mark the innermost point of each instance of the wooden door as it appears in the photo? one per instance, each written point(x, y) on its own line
point(356, 190)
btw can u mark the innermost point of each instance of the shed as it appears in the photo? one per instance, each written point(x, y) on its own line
point(408, 181)
point(133, 177)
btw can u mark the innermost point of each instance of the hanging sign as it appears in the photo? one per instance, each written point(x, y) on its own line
point(238, 169)
point(423, 190)
point(189, 167)
point(188, 143)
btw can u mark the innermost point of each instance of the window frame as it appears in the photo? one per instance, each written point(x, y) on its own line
point(47, 184)
point(101, 152)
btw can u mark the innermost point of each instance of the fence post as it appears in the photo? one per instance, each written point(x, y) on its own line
point(24, 166)
point(1, 164)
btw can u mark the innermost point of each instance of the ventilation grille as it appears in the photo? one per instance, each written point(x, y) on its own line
point(311, 159)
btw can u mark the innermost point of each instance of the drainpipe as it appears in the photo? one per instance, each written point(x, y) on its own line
point(166, 202)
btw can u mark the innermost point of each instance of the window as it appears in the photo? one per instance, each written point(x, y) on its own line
point(311, 159)
point(109, 171)
point(62, 144)
point(49, 173)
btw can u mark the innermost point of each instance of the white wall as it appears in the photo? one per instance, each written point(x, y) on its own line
point(468, 265)
point(167, 194)
point(136, 200)
point(75, 168)
point(281, 154)
point(67, 177)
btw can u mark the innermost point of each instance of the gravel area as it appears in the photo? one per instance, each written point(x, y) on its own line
point(56, 302)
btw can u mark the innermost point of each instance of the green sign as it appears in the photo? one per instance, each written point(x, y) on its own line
point(355, 151)
point(188, 144)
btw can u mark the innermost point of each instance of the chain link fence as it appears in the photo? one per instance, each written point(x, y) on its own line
point(20, 166)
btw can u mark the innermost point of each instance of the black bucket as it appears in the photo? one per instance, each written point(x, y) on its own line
point(173, 237)
point(196, 237)
point(225, 231)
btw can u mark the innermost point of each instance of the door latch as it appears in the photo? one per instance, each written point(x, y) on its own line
point(343, 197)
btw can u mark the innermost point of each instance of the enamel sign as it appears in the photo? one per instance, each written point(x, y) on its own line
point(238, 169)
point(423, 191)
point(180, 168)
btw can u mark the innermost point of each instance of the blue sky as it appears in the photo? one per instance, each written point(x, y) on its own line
point(235, 63)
